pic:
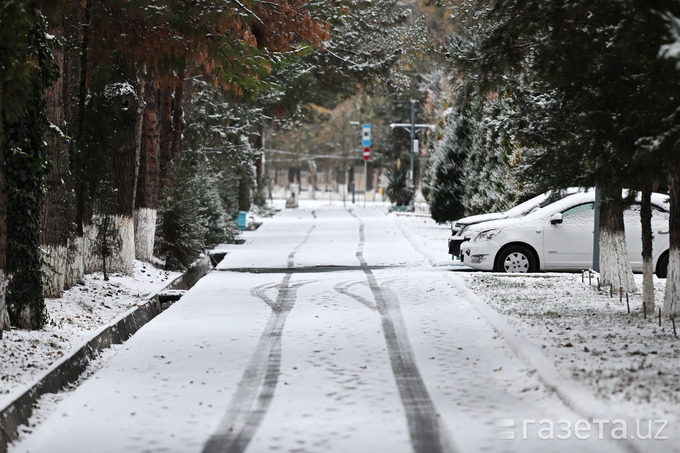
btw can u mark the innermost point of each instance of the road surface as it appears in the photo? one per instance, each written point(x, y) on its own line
point(327, 331)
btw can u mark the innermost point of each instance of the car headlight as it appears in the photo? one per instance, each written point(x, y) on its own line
point(487, 235)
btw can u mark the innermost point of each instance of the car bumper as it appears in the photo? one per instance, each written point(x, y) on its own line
point(479, 255)
point(454, 245)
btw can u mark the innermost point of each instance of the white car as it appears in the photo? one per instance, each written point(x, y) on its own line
point(559, 237)
point(460, 227)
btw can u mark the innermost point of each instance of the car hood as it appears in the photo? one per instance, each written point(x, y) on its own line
point(473, 219)
point(500, 223)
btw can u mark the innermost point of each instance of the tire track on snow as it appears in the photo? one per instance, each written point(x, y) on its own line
point(426, 432)
point(255, 390)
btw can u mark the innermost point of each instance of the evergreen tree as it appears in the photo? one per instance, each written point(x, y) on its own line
point(469, 168)
point(665, 143)
point(489, 181)
point(585, 87)
point(446, 189)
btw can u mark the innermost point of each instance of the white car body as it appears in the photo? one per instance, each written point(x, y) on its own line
point(559, 236)
point(517, 211)
point(460, 227)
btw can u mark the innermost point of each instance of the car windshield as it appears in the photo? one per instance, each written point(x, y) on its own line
point(538, 202)
point(560, 205)
point(526, 207)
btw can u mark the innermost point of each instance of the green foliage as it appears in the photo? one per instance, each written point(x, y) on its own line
point(371, 48)
point(445, 189)
point(489, 182)
point(107, 240)
point(397, 189)
point(554, 95)
point(203, 193)
point(586, 83)
point(191, 216)
point(469, 170)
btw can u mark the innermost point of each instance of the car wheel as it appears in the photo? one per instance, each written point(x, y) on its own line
point(516, 259)
point(662, 266)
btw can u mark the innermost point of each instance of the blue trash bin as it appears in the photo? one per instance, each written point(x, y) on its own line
point(241, 220)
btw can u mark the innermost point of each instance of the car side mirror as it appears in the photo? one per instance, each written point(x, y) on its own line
point(556, 218)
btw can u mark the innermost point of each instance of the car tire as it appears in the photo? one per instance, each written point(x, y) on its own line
point(662, 266)
point(516, 259)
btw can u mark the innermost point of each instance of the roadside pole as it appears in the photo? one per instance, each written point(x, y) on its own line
point(412, 127)
point(596, 231)
point(366, 156)
point(413, 137)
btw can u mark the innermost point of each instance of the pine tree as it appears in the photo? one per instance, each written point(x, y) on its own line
point(446, 189)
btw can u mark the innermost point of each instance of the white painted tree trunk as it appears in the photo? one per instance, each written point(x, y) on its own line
point(91, 261)
point(75, 262)
point(615, 267)
point(145, 233)
point(54, 270)
point(648, 285)
point(671, 301)
point(4, 316)
point(122, 259)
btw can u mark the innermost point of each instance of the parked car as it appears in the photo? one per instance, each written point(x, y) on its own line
point(559, 237)
point(459, 228)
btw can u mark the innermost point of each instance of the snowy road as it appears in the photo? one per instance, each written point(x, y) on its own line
point(326, 332)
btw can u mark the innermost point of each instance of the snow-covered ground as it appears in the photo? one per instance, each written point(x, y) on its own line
point(626, 359)
point(72, 319)
point(551, 346)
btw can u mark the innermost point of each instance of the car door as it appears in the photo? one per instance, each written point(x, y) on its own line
point(569, 245)
point(660, 230)
point(633, 225)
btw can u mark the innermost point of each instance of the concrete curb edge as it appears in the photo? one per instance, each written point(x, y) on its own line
point(69, 368)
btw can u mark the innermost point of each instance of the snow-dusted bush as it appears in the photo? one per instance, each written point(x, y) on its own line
point(398, 190)
point(191, 215)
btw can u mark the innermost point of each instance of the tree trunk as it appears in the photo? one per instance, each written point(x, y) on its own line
point(615, 267)
point(78, 23)
point(171, 126)
point(23, 128)
point(166, 124)
point(127, 115)
point(244, 188)
point(177, 115)
point(671, 302)
point(54, 220)
point(4, 315)
point(146, 202)
point(647, 264)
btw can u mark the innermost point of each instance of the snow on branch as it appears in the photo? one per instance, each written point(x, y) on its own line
point(672, 50)
point(249, 11)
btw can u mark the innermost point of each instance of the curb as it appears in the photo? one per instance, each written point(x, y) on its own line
point(70, 367)
point(574, 395)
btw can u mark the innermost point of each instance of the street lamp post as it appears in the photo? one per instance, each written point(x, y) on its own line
point(354, 123)
point(413, 137)
point(412, 127)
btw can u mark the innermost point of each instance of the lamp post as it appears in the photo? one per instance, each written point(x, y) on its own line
point(354, 123)
point(412, 127)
